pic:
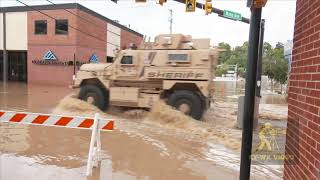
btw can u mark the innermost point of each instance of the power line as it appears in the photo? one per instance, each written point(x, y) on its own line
point(98, 25)
point(68, 24)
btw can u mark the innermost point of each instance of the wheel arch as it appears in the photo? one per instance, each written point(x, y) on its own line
point(94, 81)
point(194, 86)
point(197, 87)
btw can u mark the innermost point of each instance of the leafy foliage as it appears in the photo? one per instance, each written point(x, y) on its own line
point(274, 65)
point(225, 55)
point(220, 70)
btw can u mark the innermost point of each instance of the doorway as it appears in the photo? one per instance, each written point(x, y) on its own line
point(17, 66)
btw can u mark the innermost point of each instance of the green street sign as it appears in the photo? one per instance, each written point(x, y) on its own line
point(232, 15)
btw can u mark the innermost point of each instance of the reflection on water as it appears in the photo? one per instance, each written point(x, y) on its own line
point(25, 168)
point(229, 91)
point(135, 150)
point(34, 98)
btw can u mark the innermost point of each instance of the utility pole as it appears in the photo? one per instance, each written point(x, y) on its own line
point(5, 54)
point(259, 70)
point(251, 82)
point(171, 20)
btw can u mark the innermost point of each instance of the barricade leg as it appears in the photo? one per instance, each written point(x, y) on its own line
point(99, 144)
point(93, 151)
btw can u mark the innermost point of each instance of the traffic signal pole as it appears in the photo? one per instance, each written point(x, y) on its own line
point(250, 88)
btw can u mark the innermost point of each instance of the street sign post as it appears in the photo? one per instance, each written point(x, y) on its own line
point(232, 15)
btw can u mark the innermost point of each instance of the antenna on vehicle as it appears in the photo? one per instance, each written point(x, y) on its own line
point(144, 38)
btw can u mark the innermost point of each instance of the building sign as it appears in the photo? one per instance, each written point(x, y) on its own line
point(94, 58)
point(49, 58)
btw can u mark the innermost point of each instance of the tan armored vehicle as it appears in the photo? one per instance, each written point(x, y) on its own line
point(175, 68)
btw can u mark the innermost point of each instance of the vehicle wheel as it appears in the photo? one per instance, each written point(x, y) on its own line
point(187, 102)
point(93, 95)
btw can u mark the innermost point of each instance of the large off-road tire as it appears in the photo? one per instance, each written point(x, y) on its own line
point(187, 102)
point(94, 95)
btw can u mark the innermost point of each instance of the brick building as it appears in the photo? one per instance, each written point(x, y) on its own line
point(42, 46)
point(303, 131)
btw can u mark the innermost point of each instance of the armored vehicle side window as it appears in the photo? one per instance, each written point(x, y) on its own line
point(178, 57)
point(126, 60)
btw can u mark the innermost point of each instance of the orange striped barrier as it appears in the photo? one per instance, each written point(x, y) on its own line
point(53, 120)
point(96, 124)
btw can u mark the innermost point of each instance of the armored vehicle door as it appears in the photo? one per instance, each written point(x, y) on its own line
point(127, 66)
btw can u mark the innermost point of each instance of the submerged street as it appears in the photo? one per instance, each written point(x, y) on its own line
point(159, 90)
point(160, 144)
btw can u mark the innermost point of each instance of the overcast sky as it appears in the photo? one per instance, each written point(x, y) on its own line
point(151, 19)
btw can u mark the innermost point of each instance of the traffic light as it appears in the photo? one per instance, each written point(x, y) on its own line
point(208, 7)
point(190, 5)
point(162, 1)
point(256, 3)
point(259, 3)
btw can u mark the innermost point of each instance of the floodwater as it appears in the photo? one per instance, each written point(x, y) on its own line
point(161, 144)
point(229, 91)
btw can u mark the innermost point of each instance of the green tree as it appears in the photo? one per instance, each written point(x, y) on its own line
point(221, 70)
point(242, 72)
point(267, 49)
point(281, 67)
point(275, 66)
point(224, 55)
point(239, 56)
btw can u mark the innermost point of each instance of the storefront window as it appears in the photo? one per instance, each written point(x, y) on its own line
point(40, 27)
point(62, 26)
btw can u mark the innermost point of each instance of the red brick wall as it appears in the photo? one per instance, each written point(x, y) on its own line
point(63, 46)
point(93, 37)
point(51, 38)
point(127, 38)
point(89, 39)
point(303, 132)
point(97, 30)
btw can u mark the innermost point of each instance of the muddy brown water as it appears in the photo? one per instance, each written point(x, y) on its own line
point(162, 144)
point(229, 91)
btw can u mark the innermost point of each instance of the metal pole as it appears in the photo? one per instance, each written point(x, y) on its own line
point(5, 53)
point(171, 20)
point(74, 64)
point(249, 100)
point(259, 69)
